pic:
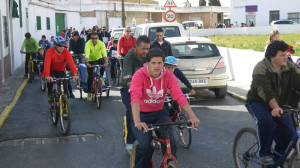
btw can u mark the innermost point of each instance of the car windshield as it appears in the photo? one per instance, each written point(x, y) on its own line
point(169, 31)
point(196, 50)
point(117, 35)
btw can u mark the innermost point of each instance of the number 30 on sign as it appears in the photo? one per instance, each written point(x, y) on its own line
point(170, 16)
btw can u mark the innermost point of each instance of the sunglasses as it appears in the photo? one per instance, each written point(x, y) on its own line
point(128, 30)
point(60, 45)
point(94, 38)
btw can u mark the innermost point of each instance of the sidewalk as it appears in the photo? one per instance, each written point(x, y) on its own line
point(238, 90)
point(10, 92)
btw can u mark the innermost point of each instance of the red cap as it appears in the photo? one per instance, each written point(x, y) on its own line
point(291, 50)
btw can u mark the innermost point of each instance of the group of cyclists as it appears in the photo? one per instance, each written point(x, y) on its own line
point(144, 85)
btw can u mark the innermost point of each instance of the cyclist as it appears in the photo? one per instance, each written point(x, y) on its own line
point(126, 42)
point(148, 91)
point(161, 43)
point(170, 65)
point(45, 43)
point(41, 57)
point(273, 79)
point(31, 46)
point(95, 54)
point(77, 44)
point(104, 36)
point(133, 61)
point(112, 50)
point(55, 64)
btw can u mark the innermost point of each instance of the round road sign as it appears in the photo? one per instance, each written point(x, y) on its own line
point(170, 16)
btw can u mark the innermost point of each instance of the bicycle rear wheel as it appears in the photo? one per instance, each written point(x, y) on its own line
point(172, 164)
point(183, 134)
point(294, 161)
point(30, 71)
point(65, 115)
point(133, 152)
point(118, 76)
point(246, 148)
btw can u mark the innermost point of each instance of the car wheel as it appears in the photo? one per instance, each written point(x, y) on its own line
point(221, 92)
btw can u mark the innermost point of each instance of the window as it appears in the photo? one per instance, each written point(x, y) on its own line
point(138, 32)
point(274, 15)
point(195, 50)
point(38, 23)
point(48, 23)
point(20, 12)
point(6, 34)
point(294, 17)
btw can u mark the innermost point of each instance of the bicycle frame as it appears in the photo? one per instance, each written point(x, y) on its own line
point(167, 154)
point(97, 78)
point(60, 91)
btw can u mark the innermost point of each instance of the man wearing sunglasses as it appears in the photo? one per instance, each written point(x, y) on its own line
point(104, 36)
point(95, 54)
point(55, 64)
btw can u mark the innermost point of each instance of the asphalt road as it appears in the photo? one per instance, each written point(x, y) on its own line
point(28, 139)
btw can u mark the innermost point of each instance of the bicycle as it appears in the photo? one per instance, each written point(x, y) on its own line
point(60, 107)
point(117, 71)
point(168, 160)
point(30, 67)
point(77, 60)
point(43, 82)
point(97, 87)
point(247, 155)
point(183, 134)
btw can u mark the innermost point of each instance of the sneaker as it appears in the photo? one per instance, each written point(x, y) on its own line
point(267, 160)
point(89, 97)
point(128, 148)
point(72, 96)
point(50, 97)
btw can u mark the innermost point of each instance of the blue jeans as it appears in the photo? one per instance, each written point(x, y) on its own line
point(279, 129)
point(144, 150)
point(129, 120)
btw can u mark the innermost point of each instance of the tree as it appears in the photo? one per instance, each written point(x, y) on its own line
point(214, 3)
point(202, 2)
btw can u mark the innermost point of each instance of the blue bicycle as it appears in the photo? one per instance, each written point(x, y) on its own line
point(246, 146)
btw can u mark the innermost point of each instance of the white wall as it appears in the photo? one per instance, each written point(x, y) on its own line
point(237, 9)
point(260, 30)
point(3, 13)
point(240, 63)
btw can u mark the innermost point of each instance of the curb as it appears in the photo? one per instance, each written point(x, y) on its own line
point(237, 96)
point(7, 110)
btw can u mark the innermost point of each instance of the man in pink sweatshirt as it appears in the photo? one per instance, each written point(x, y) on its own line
point(148, 92)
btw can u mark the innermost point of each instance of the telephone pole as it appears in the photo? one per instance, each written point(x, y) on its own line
point(123, 14)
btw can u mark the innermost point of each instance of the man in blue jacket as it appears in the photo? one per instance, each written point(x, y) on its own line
point(44, 43)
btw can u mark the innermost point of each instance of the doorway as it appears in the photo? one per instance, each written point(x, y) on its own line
point(60, 23)
point(251, 18)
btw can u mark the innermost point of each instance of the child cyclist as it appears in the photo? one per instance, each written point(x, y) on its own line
point(148, 92)
point(170, 65)
point(112, 53)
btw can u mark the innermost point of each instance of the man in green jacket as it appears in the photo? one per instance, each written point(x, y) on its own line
point(133, 61)
point(31, 46)
point(95, 54)
point(273, 80)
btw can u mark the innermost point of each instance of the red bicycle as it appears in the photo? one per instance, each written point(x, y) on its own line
point(182, 134)
point(168, 160)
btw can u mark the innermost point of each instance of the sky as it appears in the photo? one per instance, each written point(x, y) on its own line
point(194, 3)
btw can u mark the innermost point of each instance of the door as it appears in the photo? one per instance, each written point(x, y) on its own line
point(59, 22)
point(251, 18)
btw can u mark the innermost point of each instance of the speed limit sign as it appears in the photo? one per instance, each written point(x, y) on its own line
point(170, 16)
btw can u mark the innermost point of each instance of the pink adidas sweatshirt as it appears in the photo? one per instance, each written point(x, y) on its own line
point(150, 92)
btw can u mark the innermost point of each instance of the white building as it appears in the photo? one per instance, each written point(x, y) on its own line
point(262, 12)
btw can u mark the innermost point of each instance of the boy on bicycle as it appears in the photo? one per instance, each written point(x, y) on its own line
point(273, 79)
point(112, 53)
point(55, 64)
point(31, 46)
point(170, 65)
point(148, 91)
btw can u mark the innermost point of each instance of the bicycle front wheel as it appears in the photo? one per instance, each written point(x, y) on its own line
point(246, 148)
point(98, 96)
point(294, 161)
point(133, 152)
point(43, 84)
point(185, 134)
point(65, 115)
point(30, 71)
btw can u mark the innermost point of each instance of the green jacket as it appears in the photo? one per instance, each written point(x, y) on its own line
point(131, 64)
point(95, 52)
point(31, 46)
point(266, 83)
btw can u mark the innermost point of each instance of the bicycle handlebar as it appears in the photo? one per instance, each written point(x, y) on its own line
point(181, 124)
point(61, 79)
point(169, 97)
point(93, 66)
point(78, 55)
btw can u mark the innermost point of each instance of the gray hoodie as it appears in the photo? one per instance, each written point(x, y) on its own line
point(131, 64)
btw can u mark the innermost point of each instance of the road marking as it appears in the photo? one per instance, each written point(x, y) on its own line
point(43, 141)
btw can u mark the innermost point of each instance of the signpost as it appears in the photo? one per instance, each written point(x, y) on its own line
point(170, 16)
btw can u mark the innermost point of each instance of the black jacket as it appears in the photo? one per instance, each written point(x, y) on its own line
point(77, 47)
point(166, 47)
point(101, 35)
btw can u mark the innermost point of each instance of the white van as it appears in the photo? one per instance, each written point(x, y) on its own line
point(149, 29)
point(192, 24)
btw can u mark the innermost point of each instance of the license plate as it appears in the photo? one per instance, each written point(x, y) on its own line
point(202, 81)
